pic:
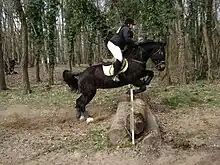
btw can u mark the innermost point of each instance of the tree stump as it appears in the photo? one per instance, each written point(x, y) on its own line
point(120, 128)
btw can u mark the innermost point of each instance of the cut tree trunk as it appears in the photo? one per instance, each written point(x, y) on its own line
point(143, 122)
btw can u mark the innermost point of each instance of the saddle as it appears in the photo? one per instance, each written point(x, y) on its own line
point(108, 67)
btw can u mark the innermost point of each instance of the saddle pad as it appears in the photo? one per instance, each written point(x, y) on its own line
point(109, 69)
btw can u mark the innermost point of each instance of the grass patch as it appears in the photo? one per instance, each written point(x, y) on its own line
point(200, 94)
point(39, 98)
point(57, 96)
point(180, 98)
point(98, 139)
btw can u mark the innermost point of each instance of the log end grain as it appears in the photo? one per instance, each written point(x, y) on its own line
point(139, 123)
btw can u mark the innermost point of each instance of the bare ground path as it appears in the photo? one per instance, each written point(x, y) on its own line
point(46, 132)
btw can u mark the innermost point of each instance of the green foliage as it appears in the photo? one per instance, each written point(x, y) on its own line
point(51, 10)
point(157, 16)
point(72, 20)
point(35, 15)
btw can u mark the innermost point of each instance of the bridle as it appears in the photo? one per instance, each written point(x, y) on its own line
point(160, 52)
point(141, 57)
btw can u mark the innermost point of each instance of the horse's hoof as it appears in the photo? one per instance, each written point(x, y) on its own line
point(82, 118)
point(89, 120)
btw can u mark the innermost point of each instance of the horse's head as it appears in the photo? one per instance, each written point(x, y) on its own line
point(155, 51)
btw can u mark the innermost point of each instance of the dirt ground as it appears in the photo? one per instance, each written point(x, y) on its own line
point(34, 134)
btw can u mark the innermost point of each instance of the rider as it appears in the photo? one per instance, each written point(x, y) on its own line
point(117, 43)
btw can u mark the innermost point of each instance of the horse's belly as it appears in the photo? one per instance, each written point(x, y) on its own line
point(108, 83)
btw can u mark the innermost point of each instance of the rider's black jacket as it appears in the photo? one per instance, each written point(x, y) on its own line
point(123, 37)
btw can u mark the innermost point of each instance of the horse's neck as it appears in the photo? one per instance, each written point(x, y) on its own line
point(141, 54)
point(128, 51)
point(132, 54)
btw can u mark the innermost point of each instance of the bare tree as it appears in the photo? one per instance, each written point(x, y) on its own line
point(181, 42)
point(207, 30)
point(24, 31)
point(2, 75)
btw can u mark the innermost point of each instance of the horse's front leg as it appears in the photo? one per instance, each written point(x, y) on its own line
point(144, 83)
point(141, 85)
point(149, 74)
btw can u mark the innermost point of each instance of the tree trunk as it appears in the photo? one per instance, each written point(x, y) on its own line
point(45, 56)
point(90, 53)
point(57, 45)
point(181, 45)
point(85, 47)
point(15, 55)
point(38, 65)
point(24, 30)
point(70, 62)
point(71, 54)
point(208, 52)
point(4, 40)
point(51, 22)
point(207, 30)
point(31, 53)
point(52, 55)
point(63, 52)
point(168, 60)
point(98, 55)
point(78, 49)
point(2, 74)
point(8, 36)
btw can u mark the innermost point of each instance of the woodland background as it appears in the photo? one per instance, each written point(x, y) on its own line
point(45, 33)
point(48, 36)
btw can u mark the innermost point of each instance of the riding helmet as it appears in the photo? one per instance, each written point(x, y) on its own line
point(129, 21)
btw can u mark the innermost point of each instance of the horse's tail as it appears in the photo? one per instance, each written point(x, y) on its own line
point(71, 80)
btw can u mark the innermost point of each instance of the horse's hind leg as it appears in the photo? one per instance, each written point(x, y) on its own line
point(81, 103)
point(79, 106)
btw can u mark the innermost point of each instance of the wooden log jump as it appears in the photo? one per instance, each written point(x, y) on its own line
point(144, 122)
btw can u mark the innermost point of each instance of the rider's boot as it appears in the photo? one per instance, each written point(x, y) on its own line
point(117, 67)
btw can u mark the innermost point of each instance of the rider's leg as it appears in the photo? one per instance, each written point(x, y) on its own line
point(117, 67)
point(116, 52)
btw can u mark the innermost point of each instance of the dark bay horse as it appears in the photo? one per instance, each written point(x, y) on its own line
point(95, 77)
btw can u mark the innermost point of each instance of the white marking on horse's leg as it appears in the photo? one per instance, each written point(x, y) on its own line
point(81, 118)
point(89, 119)
point(148, 86)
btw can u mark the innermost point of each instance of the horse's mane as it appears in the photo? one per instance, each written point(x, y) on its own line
point(150, 42)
